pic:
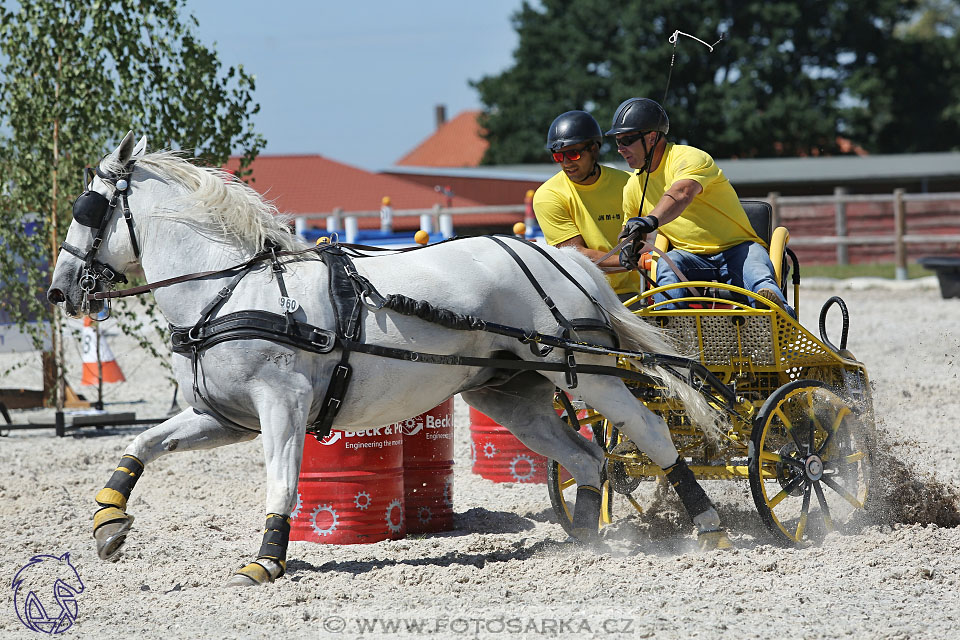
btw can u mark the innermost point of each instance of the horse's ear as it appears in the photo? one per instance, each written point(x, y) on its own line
point(125, 150)
point(141, 147)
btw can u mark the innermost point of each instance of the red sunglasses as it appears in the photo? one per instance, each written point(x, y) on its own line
point(571, 154)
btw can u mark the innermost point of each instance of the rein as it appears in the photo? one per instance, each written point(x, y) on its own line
point(260, 257)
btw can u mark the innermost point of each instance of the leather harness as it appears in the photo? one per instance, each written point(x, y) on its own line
point(350, 293)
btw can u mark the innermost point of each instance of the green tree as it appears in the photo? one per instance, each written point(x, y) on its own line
point(74, 78)
point(789, 77)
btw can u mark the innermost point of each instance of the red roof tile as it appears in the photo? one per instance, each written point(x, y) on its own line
point(315, 184)
point(456, 143)
point(311, 184)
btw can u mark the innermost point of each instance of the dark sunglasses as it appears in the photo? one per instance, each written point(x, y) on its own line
point(627, 140)
point(571, 154)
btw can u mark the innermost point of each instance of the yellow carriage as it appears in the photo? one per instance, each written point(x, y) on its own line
point(799, 422)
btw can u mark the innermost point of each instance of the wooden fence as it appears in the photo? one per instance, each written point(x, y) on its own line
point(897, 227)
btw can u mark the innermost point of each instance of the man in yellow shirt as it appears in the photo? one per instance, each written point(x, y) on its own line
point(681, 191)
point(582, 205)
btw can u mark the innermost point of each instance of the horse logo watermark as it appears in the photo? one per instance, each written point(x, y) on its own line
point(36, 607)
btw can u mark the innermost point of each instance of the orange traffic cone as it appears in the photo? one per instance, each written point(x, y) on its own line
point(88, 349)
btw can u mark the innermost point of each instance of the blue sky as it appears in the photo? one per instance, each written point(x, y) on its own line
point(358, 81)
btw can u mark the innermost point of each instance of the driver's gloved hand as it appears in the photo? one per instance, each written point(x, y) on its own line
point(639, 228)
point(642, 225)
point(630, 255)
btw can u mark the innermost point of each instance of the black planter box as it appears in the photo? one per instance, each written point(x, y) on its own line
point(948, 274)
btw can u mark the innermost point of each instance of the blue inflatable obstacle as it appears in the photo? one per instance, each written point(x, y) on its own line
point(370, 237)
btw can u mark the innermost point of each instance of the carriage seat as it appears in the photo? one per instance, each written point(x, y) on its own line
point(760, 214)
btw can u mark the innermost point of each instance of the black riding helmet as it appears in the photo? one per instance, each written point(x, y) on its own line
point(571, 128)
point(639, 114)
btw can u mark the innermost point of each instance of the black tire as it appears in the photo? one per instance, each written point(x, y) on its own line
point(811, 463)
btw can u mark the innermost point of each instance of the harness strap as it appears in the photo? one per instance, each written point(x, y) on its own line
point(347, 291)
point(570, 373)
point(132, 291)
point(251, 325)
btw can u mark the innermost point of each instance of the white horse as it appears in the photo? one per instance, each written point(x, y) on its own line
point(181, 219)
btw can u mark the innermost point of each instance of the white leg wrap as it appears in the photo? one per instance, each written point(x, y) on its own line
point(709, 520)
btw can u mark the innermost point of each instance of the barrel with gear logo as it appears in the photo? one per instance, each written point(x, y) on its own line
point(351, 488)
point(499, 456)
point(428, 469)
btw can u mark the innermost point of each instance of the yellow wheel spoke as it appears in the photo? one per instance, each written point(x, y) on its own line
point(802, 525)
point(784, 419)
point(605, 505)
point(824, 509)
point(566, 484)
point(846, 495)
point(773, 502)
point(769, 456)
point(636, 505)
point(843, 413)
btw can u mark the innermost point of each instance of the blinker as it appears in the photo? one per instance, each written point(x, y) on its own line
point(89, 209)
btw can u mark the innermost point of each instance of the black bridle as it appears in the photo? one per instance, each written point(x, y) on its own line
point(92, 209)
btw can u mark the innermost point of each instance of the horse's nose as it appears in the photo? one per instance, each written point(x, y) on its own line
point(55, 296)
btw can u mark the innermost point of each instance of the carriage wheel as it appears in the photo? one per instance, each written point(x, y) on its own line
point(563, 488)
point(811, 468)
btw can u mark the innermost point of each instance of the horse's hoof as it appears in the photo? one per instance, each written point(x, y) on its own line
point(111, 536)
point(711, 540)
point(262, 571)
point(241, 580)
point(587, 543)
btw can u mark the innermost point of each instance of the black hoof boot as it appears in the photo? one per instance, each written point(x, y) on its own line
point(586, 514)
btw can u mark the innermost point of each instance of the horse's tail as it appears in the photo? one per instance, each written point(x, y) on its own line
point(638, 335)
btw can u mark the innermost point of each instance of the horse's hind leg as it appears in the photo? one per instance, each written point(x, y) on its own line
point(186, 431)
point(650, 433)
point(525, 407)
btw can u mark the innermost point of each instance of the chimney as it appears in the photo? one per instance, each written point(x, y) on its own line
point(440, 111)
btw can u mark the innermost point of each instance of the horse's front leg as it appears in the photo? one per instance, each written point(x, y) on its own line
point(186, 431)
point(283, 424)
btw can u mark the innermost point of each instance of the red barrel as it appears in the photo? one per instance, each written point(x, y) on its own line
point(499, 456)
point(428, 469)
point(351, 488)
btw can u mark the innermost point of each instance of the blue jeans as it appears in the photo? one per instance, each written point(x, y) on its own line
point(746, 265)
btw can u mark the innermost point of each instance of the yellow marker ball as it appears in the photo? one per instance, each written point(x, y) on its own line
point(421, 237)
point(385, 201)
point(323, 240)
point(519, 229)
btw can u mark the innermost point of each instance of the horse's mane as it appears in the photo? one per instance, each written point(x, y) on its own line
point(225, 201)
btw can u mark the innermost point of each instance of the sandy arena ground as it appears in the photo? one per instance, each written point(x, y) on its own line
point(505, 571)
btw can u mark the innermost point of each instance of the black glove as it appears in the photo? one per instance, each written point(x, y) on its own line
point(629, 256)
point(644, 225)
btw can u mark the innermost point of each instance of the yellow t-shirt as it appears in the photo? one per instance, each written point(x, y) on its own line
point(565, 209)
point(713, 222)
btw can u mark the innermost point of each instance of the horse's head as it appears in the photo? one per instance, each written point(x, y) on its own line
point(101, 243)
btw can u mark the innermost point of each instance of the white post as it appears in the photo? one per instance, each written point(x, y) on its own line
point(300, 226)
point(435, 222)
point(333, 220)
point(426, 222)
point(446, 226)
point(840, 209)
point(351, 227)
point(899, 230)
